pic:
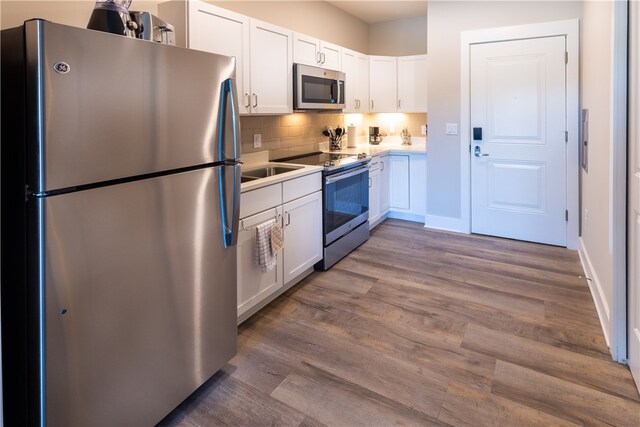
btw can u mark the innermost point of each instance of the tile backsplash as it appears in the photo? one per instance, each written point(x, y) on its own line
point(297, 133)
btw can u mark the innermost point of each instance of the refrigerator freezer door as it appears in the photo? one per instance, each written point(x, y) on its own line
point(116, 107)
point(140, 298)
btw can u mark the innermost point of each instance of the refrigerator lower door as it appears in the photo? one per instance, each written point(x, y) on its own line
point(140, 298)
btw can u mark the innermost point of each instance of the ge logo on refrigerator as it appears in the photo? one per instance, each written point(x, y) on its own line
point(61, 67)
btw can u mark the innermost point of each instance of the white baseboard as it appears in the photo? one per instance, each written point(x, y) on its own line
point(444, 223)
point(599, 298)
point(406, 216)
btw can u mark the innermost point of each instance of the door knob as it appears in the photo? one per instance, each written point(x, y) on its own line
point(478, 153)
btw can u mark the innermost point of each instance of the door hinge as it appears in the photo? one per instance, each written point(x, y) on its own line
point(566, 136)
point(566, 57)
point(566, 215)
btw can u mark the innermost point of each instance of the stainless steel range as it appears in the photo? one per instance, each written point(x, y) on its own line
point(345, 203)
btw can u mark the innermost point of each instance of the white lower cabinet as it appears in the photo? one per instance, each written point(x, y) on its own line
point(255, 286)
point(408, 186)
point(379, 192)
point(297, 204)
point(397, 187)
point(302, 235)
point(399, 176)
point(385, 192)
point(375, 210)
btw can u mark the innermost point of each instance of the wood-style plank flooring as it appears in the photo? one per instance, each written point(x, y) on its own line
point(420, 327)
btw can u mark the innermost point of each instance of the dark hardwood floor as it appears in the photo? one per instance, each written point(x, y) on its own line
point(420, 327)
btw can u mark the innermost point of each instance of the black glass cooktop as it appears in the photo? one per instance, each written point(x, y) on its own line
point(317, 158)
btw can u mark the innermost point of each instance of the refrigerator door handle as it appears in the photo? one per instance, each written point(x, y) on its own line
point(229, 174)
point(228, 152)
point(228, 141)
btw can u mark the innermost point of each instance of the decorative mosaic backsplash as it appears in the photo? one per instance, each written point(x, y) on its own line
point(297, 133)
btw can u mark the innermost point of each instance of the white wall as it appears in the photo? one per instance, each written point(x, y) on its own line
point(400, 37)
point(75, 13)
point(314, 18)
point(596, 243)
point(445, 21)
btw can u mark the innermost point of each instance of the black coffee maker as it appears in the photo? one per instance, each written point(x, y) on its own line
point(112, 16)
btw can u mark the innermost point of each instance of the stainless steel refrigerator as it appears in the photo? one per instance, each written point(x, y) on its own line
point(120, 197)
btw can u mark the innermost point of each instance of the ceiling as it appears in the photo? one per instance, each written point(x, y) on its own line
point(373, 12)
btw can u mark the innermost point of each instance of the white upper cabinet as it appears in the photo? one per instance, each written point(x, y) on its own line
point(220, 31)
point(331, 56)
point(263, 52)
point(317, 53)
point(356, 67)
point(412, 84)
point(306, 50)
point(398, 84)
point(383, 84)
point(271, 69)
point(362, 84)
point(265, 55)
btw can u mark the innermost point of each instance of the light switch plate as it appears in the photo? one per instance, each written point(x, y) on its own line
point(452, 128)
point(257, 140)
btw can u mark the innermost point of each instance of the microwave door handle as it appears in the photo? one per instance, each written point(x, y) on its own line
point(338, 85)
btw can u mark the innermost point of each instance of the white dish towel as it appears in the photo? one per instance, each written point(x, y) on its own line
point(268, 243)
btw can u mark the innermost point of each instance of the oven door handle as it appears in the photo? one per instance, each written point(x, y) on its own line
point(333, 178)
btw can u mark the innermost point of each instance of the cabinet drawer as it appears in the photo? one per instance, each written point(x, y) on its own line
point(375, 163)
point(252, 202)
point(296, 188)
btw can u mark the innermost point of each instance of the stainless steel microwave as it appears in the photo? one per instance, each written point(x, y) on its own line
point(317, 89)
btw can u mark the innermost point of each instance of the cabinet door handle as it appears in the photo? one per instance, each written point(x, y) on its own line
point(255, 102)
point(372, 104)
point(370, 182)
point(248, 98)
point(382, 163)
point(318, 57)
point(323, 58)
point(288, 215)
point(399, 104)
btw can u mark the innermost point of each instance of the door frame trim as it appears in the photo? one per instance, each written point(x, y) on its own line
point(567, 28)
point(619, 179)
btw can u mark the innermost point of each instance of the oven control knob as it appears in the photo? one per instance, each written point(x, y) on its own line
point(329, 163)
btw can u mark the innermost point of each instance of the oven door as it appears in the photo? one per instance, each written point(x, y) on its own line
point(346, 202)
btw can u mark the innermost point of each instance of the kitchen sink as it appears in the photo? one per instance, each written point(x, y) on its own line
point(247, 178)
point(267, 171)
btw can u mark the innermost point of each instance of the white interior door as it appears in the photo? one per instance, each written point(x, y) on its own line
point(518, 165)
point(633, 229)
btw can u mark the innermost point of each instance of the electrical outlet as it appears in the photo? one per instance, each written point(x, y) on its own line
point(257, 140)
point(423, 129)
point(452, 128)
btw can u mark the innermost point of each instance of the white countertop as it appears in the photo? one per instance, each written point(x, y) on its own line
point(263, 182)
point(260, 159)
